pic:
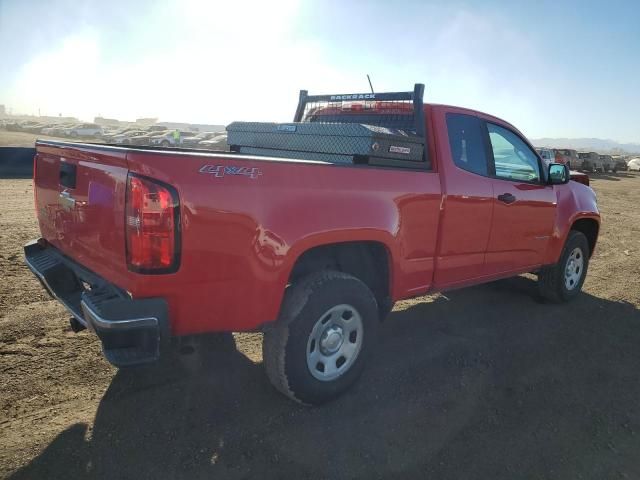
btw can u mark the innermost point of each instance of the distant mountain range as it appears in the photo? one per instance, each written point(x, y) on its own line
point(589, 144)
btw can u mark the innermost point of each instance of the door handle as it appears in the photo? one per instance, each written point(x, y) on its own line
point(507, 198)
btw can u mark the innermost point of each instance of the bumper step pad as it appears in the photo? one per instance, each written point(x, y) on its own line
point(132, 332)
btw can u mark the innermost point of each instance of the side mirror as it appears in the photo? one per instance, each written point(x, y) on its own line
point(558, 174)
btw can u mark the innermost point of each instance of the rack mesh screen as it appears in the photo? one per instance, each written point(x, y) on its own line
point(391, 114)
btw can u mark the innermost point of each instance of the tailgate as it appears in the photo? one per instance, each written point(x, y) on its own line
point(79, 195)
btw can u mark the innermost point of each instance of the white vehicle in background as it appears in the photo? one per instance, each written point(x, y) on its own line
point(109, 136)
point(153, 131)
point(126, 137)
point(634, 165)
point(56, 130)
point(83, 130)
point(548, 155)
point(218, 142)
point(165, 139)
point(192, 142)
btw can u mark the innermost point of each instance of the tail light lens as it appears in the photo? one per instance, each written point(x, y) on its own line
point(152, 226)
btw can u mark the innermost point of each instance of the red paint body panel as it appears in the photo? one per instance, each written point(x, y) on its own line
point(520, 230)
point(467, 211)
point(241, 236)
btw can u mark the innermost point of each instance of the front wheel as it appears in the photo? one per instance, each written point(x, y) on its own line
point(319, 346)
point(563, 281)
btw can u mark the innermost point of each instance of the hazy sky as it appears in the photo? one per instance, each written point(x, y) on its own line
point(553, 68)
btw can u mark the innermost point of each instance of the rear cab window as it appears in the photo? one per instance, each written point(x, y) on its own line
point(467, 143)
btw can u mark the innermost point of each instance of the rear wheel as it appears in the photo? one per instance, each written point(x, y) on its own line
point(319, 346)
point(165, 143)
point(563, 281)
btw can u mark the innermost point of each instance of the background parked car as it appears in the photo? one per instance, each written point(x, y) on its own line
point(19, 126)
point(619, 163)
point(109, 137)
point(83, 130)
point(57, 129)
point(127, 137)
point(568, 156)
point(109, 132)
point(607, 163)
point(156, 128)
point(590, 161)
point(634, 164)
point(35, 127)
point(547, 154)
point(146, 138)
point(192, 142)
point(165, 139)
point(218, 142)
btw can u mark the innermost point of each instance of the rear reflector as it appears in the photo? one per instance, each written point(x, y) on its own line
point(152, 226)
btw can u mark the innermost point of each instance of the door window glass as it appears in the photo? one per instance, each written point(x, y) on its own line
point(513, 158)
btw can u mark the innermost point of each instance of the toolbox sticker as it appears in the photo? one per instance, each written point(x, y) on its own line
point(286, 128)
point(403, 150)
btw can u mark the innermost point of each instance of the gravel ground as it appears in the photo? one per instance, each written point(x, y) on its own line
point(485, 383)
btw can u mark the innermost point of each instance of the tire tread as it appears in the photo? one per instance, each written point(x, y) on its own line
point(276, 337)
point(550, 278)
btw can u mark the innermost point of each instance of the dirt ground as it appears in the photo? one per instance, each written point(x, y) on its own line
point(486, 383)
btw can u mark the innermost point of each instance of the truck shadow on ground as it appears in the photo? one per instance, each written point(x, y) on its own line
point(486, 382)
point(614, 176)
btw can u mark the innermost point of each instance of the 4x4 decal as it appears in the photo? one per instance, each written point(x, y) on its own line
point(220, 171)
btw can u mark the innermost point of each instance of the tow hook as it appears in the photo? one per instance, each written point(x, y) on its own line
point(76, 326)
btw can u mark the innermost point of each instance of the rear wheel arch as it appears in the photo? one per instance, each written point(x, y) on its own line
point(369, 261)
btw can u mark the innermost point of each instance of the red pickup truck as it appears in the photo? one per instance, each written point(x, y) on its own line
point(144, 245)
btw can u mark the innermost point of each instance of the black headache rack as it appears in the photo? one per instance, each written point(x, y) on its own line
point(382, 129)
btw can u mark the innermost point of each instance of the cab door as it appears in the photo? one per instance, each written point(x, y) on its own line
point(467, 204)
point(524, 206)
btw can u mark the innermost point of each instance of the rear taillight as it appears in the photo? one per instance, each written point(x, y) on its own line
point(152, 226)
